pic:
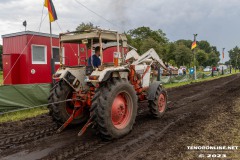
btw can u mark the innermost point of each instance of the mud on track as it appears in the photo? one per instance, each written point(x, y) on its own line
point(192, 107)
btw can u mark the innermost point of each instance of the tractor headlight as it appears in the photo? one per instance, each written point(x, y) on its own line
point(93, 77)
point(56, 75)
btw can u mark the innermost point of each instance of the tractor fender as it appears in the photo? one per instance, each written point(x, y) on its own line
point(152, 90)
point(109, 74)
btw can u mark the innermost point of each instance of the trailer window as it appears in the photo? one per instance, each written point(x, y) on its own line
point(55, 51)
point(39, 54)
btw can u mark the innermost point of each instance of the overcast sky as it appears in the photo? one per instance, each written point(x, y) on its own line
point(216, 21)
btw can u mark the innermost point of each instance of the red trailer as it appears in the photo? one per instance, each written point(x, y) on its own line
point(27, 57)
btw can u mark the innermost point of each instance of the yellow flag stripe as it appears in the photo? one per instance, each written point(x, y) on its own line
point(194, 45)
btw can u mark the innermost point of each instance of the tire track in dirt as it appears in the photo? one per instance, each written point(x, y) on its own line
point(133, 147)
point(182, 95)
point(26, 137)
point(78, 149)
point(130, 148)
point(14, 134)
point(185, 132)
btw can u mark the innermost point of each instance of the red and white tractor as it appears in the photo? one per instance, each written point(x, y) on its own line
point(107, 96)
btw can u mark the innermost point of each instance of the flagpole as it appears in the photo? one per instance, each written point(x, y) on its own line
point(222, 59)
point(51, 39)
point(223, 54)
point(52, 17)
point(51, 52)
point(194, 59)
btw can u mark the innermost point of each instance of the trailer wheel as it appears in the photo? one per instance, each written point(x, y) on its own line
point(115, 108)
point(60, 112)
point(158, 106)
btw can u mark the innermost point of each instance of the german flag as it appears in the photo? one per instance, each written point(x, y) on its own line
point(194, 45)
point(51, 10)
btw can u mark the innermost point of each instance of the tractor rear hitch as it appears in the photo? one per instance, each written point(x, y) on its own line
point(84, 128)
point(70, 119)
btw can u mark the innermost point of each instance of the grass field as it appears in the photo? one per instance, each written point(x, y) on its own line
point(171, 85)
point(19, 115)
point(1, 77)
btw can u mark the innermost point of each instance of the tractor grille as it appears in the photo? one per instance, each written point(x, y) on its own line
point(70, 78)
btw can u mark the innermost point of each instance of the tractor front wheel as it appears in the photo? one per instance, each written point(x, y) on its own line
point(115, 108)
point(158, 106)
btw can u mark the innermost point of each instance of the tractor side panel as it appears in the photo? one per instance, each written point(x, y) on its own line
point(142, 70)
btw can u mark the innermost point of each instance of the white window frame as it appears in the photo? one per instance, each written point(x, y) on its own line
point(63, 54)
point(45, 54)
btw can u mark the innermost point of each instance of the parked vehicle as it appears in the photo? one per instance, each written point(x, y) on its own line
point(220, 67)
point(207, 69)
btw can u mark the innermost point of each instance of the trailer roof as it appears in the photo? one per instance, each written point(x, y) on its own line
point(29, 33)
point(94, 34)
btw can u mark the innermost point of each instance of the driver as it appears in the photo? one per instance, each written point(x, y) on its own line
point(94, 60)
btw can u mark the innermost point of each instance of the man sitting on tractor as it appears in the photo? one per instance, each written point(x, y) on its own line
point(94, 60)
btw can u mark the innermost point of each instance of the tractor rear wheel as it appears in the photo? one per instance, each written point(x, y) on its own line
point(158, 106)
point(61, 111)
point(114, 107)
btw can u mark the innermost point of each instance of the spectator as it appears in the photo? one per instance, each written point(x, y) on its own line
point(184, 71)
point(180, 71)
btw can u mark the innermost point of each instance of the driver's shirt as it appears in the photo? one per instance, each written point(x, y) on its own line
point(94, 60)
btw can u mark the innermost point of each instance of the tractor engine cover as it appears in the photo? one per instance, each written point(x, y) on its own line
point(74, 77)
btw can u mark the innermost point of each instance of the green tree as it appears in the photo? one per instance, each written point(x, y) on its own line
point(213, 59)
point(151, 43)
point(214, 49)
point(183, 55)
point(1, 66)
point(187, 43)
point(234, 55)
point(168, 55)
point(85, 26)
point(201, 57)
point(205, 53)
point(136, 37)
point(227, 63)
point(205, 46)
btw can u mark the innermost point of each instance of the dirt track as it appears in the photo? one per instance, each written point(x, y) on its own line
point(200, 114)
